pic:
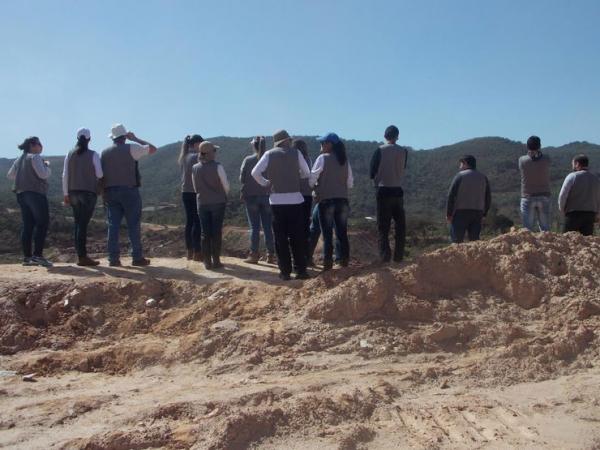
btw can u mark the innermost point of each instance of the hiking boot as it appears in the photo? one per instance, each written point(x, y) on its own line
point(284, 276)
point(197, 256)
point(343, 262)
point(252, 258)
point(208, 264)
point(27, 261)
point(216, 264)
point(85, 261)
point(303, 276)
point(271, 258)
point(190, 254)
point(41, 261)
point(140, 262)
point(115, 263)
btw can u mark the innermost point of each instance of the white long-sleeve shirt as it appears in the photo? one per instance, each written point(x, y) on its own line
point(65, 175)
point(278, 198)
point(318, 167)
point(223, 178)
point(41, 169)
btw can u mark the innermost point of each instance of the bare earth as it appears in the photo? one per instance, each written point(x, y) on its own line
point(487, 345)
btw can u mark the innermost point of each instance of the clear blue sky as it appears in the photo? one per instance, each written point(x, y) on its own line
point(443, 70)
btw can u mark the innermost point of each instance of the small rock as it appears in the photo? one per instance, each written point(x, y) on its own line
point(444, 385)
point(225, 325)
point(365, 344)
point(66, 302)
point(30, 378)
point(151, 303)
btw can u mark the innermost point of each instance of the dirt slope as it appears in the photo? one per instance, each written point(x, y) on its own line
point(486, 345)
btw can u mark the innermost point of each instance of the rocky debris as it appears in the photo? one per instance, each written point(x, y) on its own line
point(29, 378)
point(151, 303)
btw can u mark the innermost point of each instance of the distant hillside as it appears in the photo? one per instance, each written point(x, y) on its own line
point(429, 174)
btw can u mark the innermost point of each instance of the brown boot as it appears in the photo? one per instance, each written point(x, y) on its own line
point(85, 261)
point(252, 258)
point(271, 259)
point(190, 254)
point(197, 256)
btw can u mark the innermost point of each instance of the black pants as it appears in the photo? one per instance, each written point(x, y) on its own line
point(211, 217)
point(288, 227)
point(307, 217)
point(193, 230)
point(466, 220)
point(83, 204)
point(581, 221)
point(36, 217)
point(388, 208)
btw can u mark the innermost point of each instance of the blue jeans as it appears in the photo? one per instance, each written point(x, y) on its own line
point(333, 213)
point(258, 211)
point(315, 234)
point(36, 217)
point(122, 202)
point(211, 218)
point(536, 207)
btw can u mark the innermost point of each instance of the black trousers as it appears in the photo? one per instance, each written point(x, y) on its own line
point(289, 229)
point(83, 204)
point(307, 216)
point(36, 217)
point(581, 221)
point(193, 230)
point(211, 217)
point(466, 221)
point(388, 208)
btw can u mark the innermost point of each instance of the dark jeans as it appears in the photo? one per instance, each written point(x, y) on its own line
point(192, 221)
point(258, 211)
point(211, 218)
point(388, 208)
point(122, 202)
point(36, 217)
point(333, 213)
point(83, 204)
point(307, 216)
point(315, 234)
point(288, 225)
point(581, 221)
point(466, 220)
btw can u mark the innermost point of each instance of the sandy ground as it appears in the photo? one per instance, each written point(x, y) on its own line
point(487, 345)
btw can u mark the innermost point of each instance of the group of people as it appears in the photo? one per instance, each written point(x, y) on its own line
point(293, 199)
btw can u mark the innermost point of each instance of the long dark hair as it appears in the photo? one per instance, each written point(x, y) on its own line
point(259, 145)
point(301, 146)
point(339, 150)
point(187, 143)
point(28, 142)
point(82, 145)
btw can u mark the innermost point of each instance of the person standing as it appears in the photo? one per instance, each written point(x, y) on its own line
point(306, 191)
point(284, 166)
point(388, 165)
point(81, 172)
point(535, 186)
point(332, 177)
point(211, 187)
point(121, 192)
point(579, 198)
point(30, 174)
point(469, 200)
point(187, 158)
point(258, 210)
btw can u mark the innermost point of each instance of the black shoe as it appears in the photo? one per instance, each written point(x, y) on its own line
point(208, 265)
point(217, 265)
point(327, 265)
point(343, 263)
point(311, 263)
point(285, 276)
point(140, 262)
point(303, 276)
point(116, 263)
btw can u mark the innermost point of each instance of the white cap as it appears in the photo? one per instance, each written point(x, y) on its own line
point(85, 133)
point(117, 130)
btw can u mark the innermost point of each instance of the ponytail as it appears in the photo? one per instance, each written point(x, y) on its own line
point(27, 143)
point(187, 143)
point(339, 150)
point(82, 145)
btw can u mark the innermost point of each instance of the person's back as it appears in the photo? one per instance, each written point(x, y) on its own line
point(119, 166)
point(471, 191)
point(207, 183)
point(82, 174)
point(391, 166)
point(535, 175)
point(187, 165)
point(283, 170)
point(332, 181)
point(26, 178)
point(584, 193)
point(249, 186)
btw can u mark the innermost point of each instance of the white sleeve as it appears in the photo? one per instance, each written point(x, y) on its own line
point(223, 178)
point(97, 166)
point(65, 176)
point(39, 167)
point(137, 151)
point(304, 169)
point(350, 181)
point(259, 168)
point(317, 168)
point(12, 172)
point(564, 191)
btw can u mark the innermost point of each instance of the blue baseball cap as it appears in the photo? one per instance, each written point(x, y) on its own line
point(329, 137)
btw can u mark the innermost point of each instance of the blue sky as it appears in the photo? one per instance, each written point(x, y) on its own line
point(442, 71)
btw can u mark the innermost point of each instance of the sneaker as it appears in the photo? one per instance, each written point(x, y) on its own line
point(140, 262)
point(252, 258)
point(116, 263)
point(284, 276)
point(271, 259)
point(41, 261)
point(27, 261)
point(85, 261)
point(303, 276)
